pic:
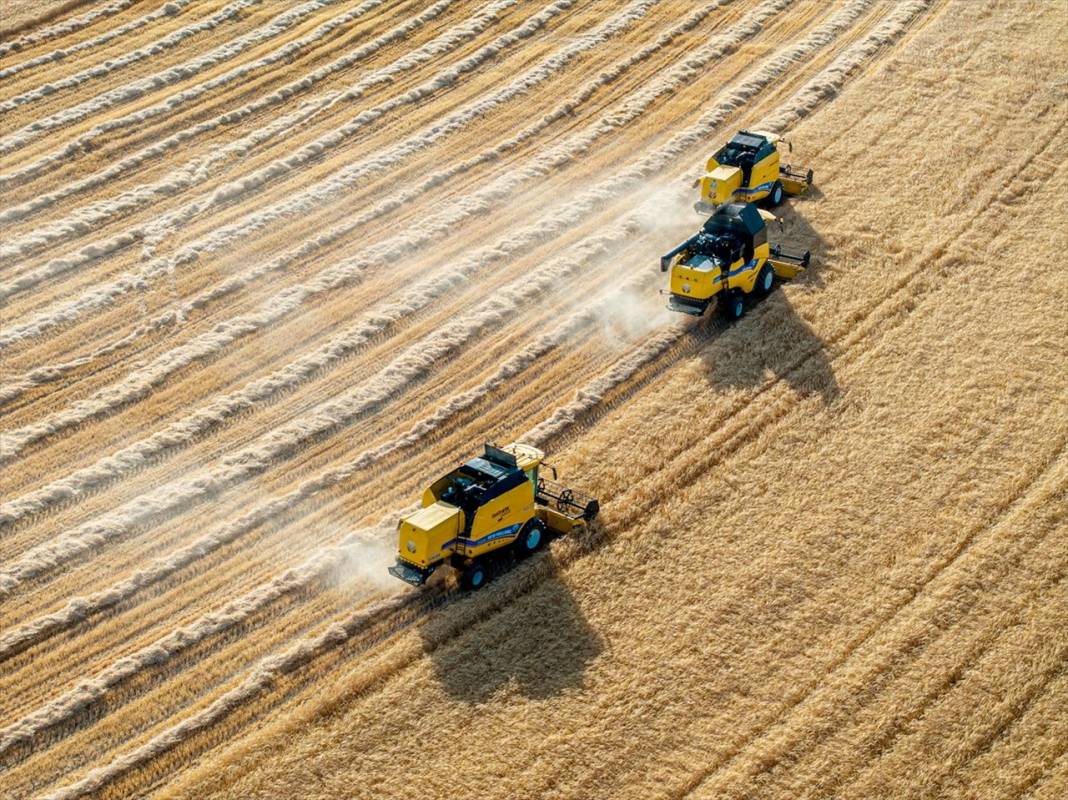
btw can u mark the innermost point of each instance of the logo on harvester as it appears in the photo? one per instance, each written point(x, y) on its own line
point(504, 512)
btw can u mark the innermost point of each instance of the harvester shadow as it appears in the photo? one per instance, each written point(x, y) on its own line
point(773, 337)
point(538, 642)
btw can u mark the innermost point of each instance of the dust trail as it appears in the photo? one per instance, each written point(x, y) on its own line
point(262, 676)
point(86, 220)
point(63, 28)
point(169, 10)
point(46, 374)
point(186, 430)
point(78, 609)
point(234, 116)
point(337, 559)
point(329, 562)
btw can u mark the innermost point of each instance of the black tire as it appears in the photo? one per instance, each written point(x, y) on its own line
point(776, 195)
point(765, 280)
point(474, 576)
point(531, 538)
point(733, 305)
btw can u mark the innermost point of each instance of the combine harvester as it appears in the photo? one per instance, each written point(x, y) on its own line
point(490, 511)
point(749, 169)
point(730, 259)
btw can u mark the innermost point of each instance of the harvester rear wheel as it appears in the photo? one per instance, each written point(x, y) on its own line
point(474, 576)
point(765, 280)
point(733, 304)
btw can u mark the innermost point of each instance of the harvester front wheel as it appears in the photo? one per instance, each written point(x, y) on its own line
point(775, 195)
point(733, 304)
point(531, 538)
point(474, 576)
point(765, 280)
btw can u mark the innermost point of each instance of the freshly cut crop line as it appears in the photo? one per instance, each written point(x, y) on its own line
point(590, 396)
point(168, 10)
point(87, 219)
point(598, 387)
point(284, 302)
point(320, 193)
point(293, 579)
point(231, 117)
point(260, 678)
point(37, 128)
point(44, 557)
point(343, 274)
point(159, 652)
point(65, 27)
point(284, 53)
point(46, 374)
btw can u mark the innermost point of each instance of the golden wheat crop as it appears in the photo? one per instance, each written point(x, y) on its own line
point(269, 266)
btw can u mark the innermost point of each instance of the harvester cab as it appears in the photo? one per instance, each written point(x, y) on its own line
point(727, 260)
point(749, 168)
point(492, 508)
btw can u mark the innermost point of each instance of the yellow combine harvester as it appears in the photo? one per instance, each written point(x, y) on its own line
point(748, 169)
point(489, 509)
point(728, 259)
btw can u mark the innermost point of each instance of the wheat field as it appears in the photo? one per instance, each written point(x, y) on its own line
point(268, 267)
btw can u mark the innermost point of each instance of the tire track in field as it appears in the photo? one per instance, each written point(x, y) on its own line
point(85, 220)
point(63, 28)
point(49, 373)
point(169, 10)
point(319, 193)
point(864, 682)
point(353, 268)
